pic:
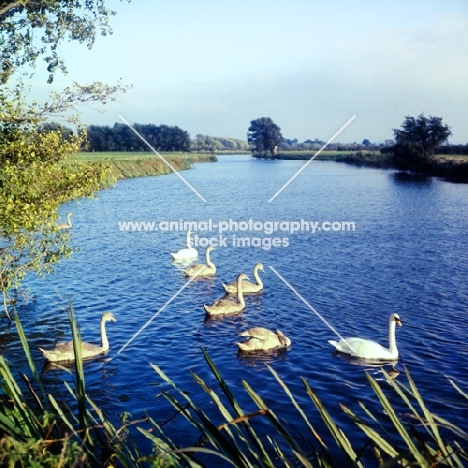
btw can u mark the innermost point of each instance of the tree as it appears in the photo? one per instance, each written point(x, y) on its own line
point(36, 176)
point(33, 28)
point(417, 140)
point(264, 136)
point(121, 138)
point(205, 142)
point(35, 179)
point(200, 143)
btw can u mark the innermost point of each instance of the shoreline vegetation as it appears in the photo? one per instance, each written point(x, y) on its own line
point(124, 165)
point(450, 167)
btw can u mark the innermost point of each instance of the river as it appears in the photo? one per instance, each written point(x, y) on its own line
point(382, 243)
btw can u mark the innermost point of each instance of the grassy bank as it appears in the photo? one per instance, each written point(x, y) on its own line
point(135, 164)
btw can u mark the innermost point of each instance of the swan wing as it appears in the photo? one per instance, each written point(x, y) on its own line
point(90, 347)
point(90, 350)
point(363, 348)
point(223, 303)
point(61, 352)
point(260, 343)
point(185, 253)
point(254, 343)
point(223, 306)
point(195, 269)
point(247, 287)
point(200, 270)
point(369, 349)
point(258, 332)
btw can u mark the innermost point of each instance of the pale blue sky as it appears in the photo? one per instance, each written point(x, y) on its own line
point(211, 67)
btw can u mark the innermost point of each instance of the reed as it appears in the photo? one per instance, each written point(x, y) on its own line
point(35, 430)
point(391, 441)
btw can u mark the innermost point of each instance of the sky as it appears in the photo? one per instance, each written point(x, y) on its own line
point(211, 67)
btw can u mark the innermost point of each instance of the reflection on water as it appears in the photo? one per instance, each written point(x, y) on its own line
point(262, 358)
point(358, 361)
point(408, 254)
point(69, 366)
point(412, 177)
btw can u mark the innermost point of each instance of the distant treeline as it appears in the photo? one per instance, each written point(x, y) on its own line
point(288, 144)
point(121, 137)
point(213, 144)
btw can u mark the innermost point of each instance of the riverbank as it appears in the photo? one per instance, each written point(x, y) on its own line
point(125, 165)
point(452, 168)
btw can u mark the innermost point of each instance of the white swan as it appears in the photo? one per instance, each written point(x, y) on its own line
point(262, 339)
point(64, 351)
point(224, 306)
point(201, 269)
point(189, 252)
point(368, 349)
point(247, 286)
point(68, 225)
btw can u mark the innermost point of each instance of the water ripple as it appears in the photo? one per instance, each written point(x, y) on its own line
point(408, 254)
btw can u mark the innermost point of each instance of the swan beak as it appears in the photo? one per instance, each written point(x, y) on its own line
point(398, 322)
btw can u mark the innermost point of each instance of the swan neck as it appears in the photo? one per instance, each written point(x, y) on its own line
point(188, 240)
point(104, 340)
point(69, 219)
point(257, 277)
point(240, 295)
point(207, 259)
point(391, 338)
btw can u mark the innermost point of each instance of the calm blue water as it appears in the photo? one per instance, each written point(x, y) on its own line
point(407, 254)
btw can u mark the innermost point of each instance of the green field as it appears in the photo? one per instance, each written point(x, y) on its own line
point(137, 164)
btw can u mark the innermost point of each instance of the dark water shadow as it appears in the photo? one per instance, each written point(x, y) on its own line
point(404, 177)
point(69, 366)
point(259, 358)
point(214, 319)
